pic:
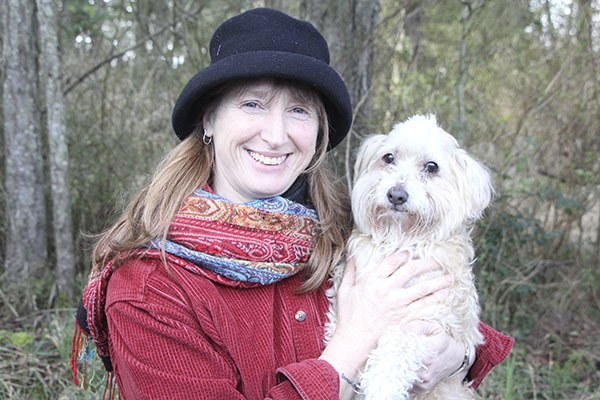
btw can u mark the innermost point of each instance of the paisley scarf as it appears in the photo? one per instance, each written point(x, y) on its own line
point(255, 243)
point(261, 241)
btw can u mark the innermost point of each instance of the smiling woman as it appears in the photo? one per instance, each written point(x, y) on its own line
point(265, 136)
point(212, 283)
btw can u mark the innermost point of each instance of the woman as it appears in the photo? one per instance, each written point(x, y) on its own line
point(211, 285)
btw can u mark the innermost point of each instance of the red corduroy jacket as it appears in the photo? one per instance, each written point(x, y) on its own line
point(179, 335)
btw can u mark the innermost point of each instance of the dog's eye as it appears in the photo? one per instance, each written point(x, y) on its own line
point(432, 167)
point(388, 158)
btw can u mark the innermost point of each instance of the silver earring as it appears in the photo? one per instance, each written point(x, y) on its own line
point(206, 139)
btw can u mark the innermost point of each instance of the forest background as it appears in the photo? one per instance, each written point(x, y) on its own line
point(88, 88)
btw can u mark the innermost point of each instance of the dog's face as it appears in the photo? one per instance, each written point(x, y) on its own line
point(417, 181)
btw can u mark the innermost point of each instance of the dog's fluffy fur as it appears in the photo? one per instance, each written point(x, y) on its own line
point(416, 189)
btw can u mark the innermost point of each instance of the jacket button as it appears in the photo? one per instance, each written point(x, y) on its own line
point(300, 316)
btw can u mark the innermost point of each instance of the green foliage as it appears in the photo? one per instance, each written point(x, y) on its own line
point(20, 340)
point(571, 375)
point(37, 293)
point(84, 18)
point(34, 362)
point(523, 377)
point(541, 303)
point(503, 247)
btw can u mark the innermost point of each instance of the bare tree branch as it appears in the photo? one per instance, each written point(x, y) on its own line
point(106, 61)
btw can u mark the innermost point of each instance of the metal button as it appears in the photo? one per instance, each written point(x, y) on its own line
point(300, 316)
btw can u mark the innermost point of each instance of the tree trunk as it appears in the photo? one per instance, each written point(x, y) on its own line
point(469, 9)
point(462, 74)
point(26, 248)
point(349, 27)
point(58, 157)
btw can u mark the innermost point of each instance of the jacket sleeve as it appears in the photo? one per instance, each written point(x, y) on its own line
point(160, 351)
point(492, 352)
point(310, 379)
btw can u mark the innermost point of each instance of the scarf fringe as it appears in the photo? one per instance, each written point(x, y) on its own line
point(77, 346)
point(109, 387)
point(79, 359)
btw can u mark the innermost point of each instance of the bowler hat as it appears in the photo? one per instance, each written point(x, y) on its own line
point(267, 43)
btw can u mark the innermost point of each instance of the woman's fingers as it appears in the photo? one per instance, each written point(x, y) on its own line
point(414, 272)
point(428, 305)
point(392, 263)
point(426, 287)
point(418, 267)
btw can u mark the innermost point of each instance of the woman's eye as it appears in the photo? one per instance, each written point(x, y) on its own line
point(299, 110)
point(250, 104)
point(432, 167)
point(388, 158)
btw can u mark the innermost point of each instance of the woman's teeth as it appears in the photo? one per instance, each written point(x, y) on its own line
point(267, 160)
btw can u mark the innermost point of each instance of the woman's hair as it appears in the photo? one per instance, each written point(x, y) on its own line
point(189, 166)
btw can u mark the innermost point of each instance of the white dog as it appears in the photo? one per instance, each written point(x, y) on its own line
point(416, 189)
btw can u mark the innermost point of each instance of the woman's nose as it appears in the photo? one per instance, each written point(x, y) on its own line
point(274, 131)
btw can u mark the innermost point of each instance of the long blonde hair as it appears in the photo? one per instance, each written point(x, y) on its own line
point(189, 166)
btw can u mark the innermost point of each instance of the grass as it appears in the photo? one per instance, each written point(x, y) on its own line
point(522, 378)
point(35, 358)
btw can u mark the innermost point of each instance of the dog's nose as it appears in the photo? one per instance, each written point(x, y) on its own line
point(397, 196)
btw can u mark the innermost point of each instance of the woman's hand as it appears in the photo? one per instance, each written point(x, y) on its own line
point(366, 308)
point(447, 357)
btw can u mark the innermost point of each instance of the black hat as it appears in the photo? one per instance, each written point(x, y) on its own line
point(267, 43)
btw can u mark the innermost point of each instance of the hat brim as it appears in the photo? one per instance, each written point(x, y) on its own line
point(261, 64)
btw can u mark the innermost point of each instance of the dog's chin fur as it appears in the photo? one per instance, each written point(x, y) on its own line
point(433, 223)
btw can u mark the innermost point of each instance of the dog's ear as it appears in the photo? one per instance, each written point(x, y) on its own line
point(475, 184)
point(367, 153)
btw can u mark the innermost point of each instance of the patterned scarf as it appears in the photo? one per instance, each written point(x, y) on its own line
point(255, 243)
point(261, 241)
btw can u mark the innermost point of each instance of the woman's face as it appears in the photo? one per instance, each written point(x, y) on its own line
point(264, 137)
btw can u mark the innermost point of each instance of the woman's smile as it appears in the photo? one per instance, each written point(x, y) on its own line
point(267, 159)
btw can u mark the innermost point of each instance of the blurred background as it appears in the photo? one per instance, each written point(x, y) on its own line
point(88, 88)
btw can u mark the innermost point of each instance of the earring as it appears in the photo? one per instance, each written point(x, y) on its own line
point(206, 139)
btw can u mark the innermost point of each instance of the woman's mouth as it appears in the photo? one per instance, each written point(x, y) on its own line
point(267, 160)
